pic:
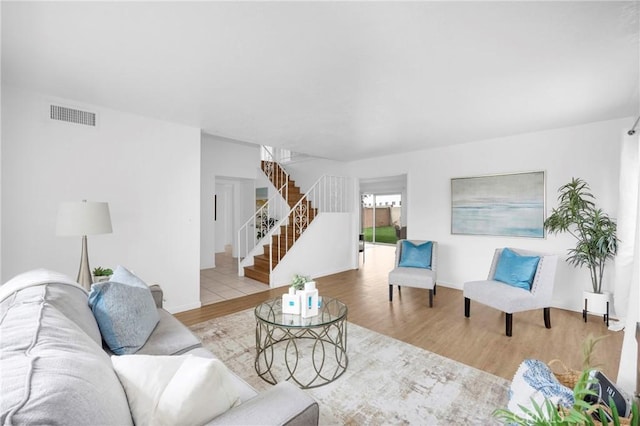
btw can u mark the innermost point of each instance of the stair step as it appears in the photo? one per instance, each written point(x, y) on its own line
point(293, 197)
point(278, 172)
point(284, 245)
point(291, 239)
point(253, 273)
point(283, 250)
point(261, 262)
point(293, 200)
point(277, 182)
point(286, 231)
point(286, 239)
point(293, 189)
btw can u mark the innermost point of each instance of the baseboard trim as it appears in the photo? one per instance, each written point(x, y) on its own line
point(182, 308)
point(449, 285)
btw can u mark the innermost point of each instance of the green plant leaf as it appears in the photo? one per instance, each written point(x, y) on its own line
point(594, 231)
point(579, 414)
point(102, 272)
point(298, 281)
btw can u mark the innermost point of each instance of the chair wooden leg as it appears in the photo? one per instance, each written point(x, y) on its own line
point(434, 289)
point(467, 306)
point(547, 317)
point(431, 298)
point(390, 292)
point(399, 292)
point(509, 320)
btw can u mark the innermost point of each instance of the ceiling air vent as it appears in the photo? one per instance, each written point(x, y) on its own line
point(71, 115)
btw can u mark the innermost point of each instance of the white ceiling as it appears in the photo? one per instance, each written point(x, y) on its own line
point(341, 80)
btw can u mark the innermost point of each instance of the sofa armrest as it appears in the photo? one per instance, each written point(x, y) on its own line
point(283, 404)
point(156, 292)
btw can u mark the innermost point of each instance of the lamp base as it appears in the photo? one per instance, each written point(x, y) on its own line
point(84, 274)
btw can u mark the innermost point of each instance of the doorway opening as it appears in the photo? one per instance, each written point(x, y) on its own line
point(382, 220)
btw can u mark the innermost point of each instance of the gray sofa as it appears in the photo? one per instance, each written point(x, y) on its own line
point(54, 369)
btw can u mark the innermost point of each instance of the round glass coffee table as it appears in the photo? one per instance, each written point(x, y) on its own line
point(310, 352)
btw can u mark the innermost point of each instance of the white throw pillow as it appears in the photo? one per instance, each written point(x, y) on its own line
point(171, 390)
point(534, 381)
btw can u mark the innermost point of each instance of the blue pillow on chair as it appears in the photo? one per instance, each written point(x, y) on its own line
point(415, 256)
point(516, 270)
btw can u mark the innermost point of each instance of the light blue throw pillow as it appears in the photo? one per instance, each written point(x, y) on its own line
point(124, 310)
point(125, 276)
point(516, 270)
point(416, 256)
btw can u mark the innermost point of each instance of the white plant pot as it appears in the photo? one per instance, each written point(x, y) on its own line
point(596, 303)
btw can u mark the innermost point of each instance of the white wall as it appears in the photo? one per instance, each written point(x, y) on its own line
point(0, 149)
point(590, 152)
point(148, 170)
point(306, 173)
point(233, 163)
point(324, 248)
point(224, 221)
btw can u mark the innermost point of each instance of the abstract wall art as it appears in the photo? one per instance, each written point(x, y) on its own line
point(510, 205)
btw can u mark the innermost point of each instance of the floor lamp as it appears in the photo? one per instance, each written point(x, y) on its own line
point(82, 218)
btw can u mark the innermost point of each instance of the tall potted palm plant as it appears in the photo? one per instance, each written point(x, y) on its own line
point(595, 234)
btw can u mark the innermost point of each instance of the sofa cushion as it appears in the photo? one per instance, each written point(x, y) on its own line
point(413, 277)
point(52, 370)
point(62, 292)
point(415, 255)
point(516, 270)
point(170, 390)
point(125, 311)
point(170, 337)
point(282, 404)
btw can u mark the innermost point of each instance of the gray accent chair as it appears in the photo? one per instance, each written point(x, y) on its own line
point(509, 299)
point(414, 277)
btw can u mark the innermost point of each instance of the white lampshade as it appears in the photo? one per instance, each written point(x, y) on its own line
point(83, 218)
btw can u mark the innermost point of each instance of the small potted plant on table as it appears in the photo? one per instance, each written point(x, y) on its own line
point(302, 298)
point(101, 274)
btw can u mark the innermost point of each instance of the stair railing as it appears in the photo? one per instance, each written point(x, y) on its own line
point(259, 227)
point(280, 155)
point(278, 177)
point(274, 171)
point(329, 194)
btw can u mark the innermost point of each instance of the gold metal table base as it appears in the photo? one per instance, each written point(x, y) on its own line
point(308, 355)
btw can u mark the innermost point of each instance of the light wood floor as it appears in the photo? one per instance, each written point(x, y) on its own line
point(478, 341)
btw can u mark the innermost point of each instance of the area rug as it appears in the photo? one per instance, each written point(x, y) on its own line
point(387, 381)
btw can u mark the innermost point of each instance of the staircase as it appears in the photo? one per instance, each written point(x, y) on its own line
point(301, 214)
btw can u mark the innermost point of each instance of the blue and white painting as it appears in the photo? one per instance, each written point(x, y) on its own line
point(506, 205)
